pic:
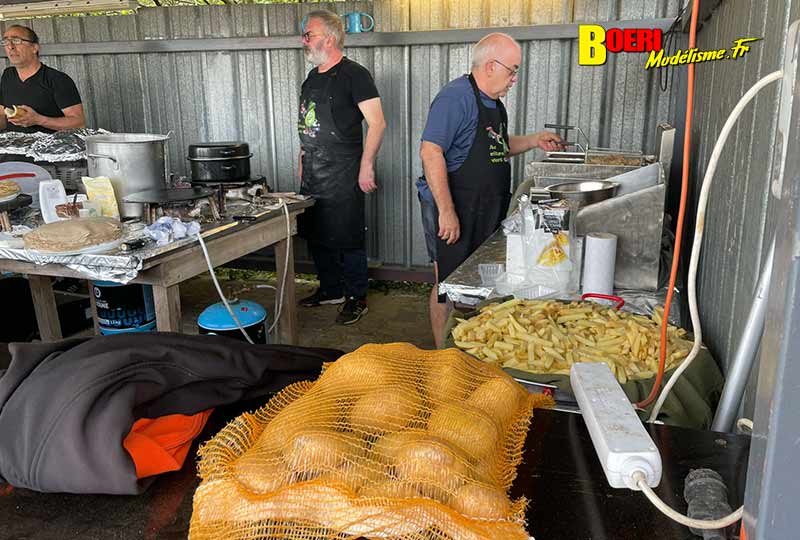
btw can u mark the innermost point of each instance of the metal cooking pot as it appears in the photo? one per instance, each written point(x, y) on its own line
point(133, 161)
point(220, 162)
point(583, 193)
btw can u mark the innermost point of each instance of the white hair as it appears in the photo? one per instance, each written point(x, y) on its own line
point(489, 47)
point(332, 23)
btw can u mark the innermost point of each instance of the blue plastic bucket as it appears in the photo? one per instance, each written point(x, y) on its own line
point(124, 308)
point(149, 327)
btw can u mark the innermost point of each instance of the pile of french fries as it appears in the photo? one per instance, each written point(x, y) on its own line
point(547, 336)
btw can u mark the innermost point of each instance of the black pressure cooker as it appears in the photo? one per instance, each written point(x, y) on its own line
point(217, 162)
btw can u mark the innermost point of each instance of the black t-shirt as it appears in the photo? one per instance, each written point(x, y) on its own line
point(47, 92)
point(353, 85)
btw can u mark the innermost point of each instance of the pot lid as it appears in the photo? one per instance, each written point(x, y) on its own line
point(126, 138)
point(217, 318)
point(219, 149)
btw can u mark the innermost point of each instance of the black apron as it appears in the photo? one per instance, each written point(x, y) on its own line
point(330, 173)
point(480, 187)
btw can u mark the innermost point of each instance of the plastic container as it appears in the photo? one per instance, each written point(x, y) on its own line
point(124, 308)
point(51, 193)
point(489, 273)
point(216, 320)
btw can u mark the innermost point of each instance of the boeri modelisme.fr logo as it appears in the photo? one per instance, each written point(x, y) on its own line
point(595, 42)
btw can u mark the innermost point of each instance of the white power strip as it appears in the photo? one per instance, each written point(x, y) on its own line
point(620, 440)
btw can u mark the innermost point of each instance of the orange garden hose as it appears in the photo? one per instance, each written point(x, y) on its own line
point(687, 135)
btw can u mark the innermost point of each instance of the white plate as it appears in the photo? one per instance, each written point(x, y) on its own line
point(10, 197)
point(99, 248)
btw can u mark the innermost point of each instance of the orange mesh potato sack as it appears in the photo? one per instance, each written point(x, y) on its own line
point(390, 442)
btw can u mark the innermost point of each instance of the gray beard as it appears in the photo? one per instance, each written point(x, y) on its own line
point(314, 57)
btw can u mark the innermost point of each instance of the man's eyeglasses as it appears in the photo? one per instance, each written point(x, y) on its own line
point(513, 72)
point(308, 35)
point(15, 40)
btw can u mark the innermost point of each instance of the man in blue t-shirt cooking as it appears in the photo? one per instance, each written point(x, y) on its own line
point(465, 155)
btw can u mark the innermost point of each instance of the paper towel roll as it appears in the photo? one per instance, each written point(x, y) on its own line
point(598, 263)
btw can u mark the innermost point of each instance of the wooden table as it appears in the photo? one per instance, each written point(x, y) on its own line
point(166, 271)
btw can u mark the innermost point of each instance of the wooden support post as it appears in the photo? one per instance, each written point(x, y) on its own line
point(44, 303)
point(93, 302)
point(168, 308)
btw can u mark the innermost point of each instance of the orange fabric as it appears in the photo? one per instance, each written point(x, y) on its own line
point(159, 445)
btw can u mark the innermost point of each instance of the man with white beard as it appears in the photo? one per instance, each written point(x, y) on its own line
point(337, 164)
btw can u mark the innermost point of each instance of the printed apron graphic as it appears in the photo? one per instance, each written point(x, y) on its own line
point(308, 124)
point(497, 155)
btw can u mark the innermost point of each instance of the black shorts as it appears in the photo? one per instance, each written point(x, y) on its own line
point(430, 225)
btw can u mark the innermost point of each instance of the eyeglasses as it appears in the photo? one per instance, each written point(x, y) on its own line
point(308, 35)
point(15, 40)
point(513, 72)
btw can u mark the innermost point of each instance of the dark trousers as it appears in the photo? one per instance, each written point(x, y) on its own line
point(340, 271)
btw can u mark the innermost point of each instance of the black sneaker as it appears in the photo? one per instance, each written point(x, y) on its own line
point(319, 298)
point(351, 311)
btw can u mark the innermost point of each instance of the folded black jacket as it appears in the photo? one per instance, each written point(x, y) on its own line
point(66, 407)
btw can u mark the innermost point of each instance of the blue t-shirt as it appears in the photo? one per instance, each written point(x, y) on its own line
point(453, 119)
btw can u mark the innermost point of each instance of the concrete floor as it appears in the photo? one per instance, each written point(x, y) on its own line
point(395, 313)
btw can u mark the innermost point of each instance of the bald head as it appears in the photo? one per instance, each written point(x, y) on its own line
point(495, 61)
point(491, 46)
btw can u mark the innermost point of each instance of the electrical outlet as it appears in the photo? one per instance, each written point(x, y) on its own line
point(788, 89)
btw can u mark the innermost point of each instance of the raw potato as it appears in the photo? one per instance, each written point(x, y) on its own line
point(547, 336)
point(317, 450)
point(466, 427)
point(431, 467)
point(445, 380)
point(260, 472)
point(498, 397)
point(387, 447)
point(356, 375)
point(385, 409)
point(292, 420)
point(477, 501)
point(390, 489)
point(355, 475)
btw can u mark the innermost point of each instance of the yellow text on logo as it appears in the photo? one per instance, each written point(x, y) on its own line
point(591, 51)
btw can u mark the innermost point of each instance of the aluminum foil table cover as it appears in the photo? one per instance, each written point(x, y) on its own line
point(123, 266)
point(66, 145)
point(464, 285)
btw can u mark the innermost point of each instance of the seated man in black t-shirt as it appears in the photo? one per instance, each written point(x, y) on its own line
point(45, 98)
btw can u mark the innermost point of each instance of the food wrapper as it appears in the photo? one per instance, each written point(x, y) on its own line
point(100, 191)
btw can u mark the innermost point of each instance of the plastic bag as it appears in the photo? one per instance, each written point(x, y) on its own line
point(168, 229)
point(100, 191)
point(539, 258)
point(391, 442)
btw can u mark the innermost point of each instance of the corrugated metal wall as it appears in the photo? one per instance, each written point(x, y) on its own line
point(738, 222)
point(253, 95)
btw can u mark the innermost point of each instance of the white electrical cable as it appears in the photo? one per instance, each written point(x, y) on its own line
point(744, 424)
point(279, 296)
point(219, 289)
point(698, 233)
point(706, 524)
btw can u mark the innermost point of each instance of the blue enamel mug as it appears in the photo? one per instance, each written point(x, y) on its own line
point(353, 22)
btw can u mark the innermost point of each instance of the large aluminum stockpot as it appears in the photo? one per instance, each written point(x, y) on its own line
point(133, 161)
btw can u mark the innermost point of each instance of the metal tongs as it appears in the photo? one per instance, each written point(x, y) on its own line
point(563, 130)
